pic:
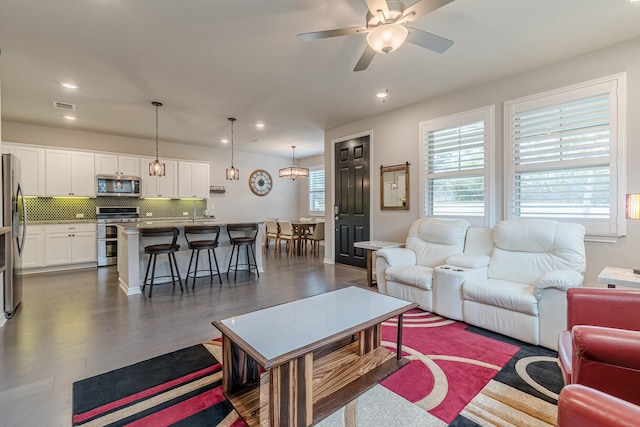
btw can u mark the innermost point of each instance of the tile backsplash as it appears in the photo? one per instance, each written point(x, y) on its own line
point(65, 209)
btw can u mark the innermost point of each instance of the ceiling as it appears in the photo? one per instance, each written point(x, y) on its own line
point(207, 60)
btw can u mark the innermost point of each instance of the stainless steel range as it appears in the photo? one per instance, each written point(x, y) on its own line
point(107, 218)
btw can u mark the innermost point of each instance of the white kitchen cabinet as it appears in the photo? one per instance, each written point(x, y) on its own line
point(193, 180)
point(160, 186)
point(32, 167)
point(113, 164)
point(70, 173)
point(33, 252)
point(71, 243)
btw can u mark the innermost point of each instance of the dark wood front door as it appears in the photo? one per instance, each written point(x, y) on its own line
point(352, 200)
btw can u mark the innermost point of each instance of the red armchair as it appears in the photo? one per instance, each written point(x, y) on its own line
point(586, 407)
point(601, 349)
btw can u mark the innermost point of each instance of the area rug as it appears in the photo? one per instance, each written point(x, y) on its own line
point(458, 375)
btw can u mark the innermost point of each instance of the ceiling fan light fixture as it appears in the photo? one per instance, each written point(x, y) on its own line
point(386, 38)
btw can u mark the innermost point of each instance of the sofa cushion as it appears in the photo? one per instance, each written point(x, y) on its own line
point(434, 239)
point(413, 275)
point(501, 293)
point(526, 249)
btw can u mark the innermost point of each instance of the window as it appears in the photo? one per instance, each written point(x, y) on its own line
point(563, 150)
point(455, 177)
point(316, 192)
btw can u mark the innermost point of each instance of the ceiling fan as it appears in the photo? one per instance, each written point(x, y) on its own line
point(386, 29)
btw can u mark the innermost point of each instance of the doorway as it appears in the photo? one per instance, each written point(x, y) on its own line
point(352, 200)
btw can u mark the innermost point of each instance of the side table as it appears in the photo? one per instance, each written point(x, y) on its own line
point(613, 276)
point(371, 246)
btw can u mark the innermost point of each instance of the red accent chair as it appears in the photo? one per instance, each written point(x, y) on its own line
point(586, 407)
point(601, 349)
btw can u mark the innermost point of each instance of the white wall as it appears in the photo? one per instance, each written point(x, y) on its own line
point(395, 139)
point(238, 203)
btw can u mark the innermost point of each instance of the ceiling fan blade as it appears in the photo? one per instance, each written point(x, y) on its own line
point(422, 7)
point(428, 40)
point(331, 33)
point(376, 5)
point(365, 59)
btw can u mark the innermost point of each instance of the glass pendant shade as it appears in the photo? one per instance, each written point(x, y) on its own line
point(156, 168)
point(232, 173)
point(386, 38)
point(294, 171)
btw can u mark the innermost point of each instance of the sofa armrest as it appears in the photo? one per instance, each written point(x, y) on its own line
point(616, 347)
point(586, 407)
point(613, 308)
point(397, 256)
point(468, 261)
point(557, 279)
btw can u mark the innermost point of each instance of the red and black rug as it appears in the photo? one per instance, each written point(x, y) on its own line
point(458, 376)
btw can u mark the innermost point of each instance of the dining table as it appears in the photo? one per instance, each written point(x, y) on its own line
point(300, 228)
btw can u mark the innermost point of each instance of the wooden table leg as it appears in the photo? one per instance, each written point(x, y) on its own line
point(291, 392)
point(370, 267)
point(399, 339)
point(238, 368)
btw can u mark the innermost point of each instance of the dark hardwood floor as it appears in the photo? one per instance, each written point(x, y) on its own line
point(75, 324)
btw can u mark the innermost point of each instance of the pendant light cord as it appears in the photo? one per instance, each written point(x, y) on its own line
point(157, 157)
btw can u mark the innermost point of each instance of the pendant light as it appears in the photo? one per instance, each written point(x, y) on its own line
point(232, 172)
point(294, 171)
point(156, 168)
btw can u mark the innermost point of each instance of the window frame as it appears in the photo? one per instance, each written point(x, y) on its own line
point(615, 225)
point(487, 115)
point(310, 192)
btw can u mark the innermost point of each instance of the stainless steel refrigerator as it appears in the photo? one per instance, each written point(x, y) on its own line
point(14, 214)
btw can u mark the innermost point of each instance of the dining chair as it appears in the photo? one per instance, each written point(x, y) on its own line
point(316, 237)
point(272, 232)
point(158, 249)
point(288, 234)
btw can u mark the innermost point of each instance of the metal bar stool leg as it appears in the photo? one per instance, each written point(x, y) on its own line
point(146, 275)
point(195, 272)
point(186, 281)
point(153, 274)
point(215, 258)
point(173, 255)
point(255, 263)
point(233, 248)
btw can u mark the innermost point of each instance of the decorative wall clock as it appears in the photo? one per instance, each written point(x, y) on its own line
point(260, 182)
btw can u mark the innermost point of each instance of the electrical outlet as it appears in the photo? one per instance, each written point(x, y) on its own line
point(79, 215)
point(185, 213)
point(149, 213)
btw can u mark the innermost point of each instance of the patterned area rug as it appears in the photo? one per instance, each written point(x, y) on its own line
point(458, 375)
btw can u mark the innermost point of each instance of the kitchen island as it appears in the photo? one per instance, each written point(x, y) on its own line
point(132, 260)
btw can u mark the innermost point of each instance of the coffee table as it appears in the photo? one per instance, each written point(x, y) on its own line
point(296, 363)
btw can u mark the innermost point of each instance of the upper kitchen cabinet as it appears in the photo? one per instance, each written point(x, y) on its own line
point(193, 180)
point(112, 164)
point(160, 186)
point(32, 167)
point(70, 173)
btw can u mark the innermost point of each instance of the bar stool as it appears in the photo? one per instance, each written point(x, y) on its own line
point(163, 248)
point(247, 239)
point(198, 245)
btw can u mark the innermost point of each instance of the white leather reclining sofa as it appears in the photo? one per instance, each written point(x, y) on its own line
point(511, 279)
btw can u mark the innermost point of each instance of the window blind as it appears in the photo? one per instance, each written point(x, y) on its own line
point(454, 170)
point(316, 191)
point(561, 157)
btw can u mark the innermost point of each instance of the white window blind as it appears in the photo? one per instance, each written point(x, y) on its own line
point(562, 156)
point(455, 169)
point(316, 191)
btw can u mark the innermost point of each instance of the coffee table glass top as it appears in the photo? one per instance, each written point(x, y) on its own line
point(284, 328)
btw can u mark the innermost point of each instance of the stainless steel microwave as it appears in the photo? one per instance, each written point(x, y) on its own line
point(118, 185)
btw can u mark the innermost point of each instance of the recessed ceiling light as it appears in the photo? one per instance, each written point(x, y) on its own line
point(224, 141)
point(382, 94)
point(259, 125)
point(69, 117)
point(69, 85)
